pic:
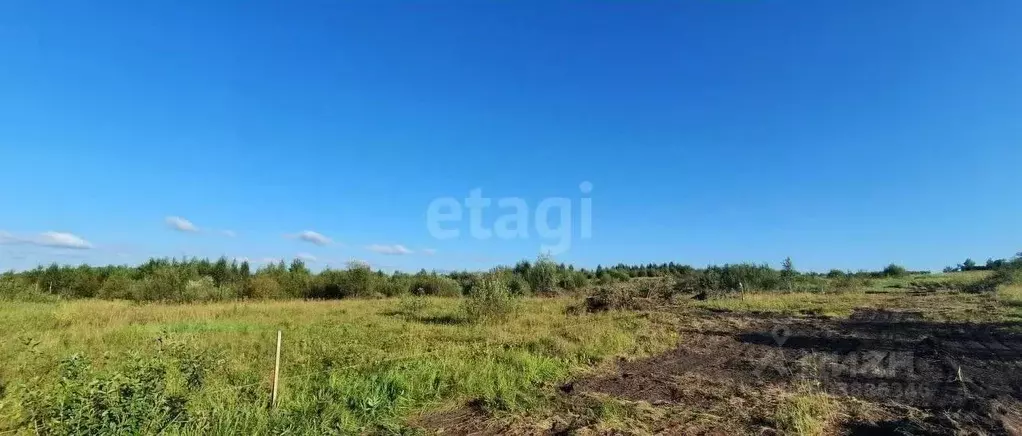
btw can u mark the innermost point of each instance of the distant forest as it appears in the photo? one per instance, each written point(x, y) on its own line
point(194, 279)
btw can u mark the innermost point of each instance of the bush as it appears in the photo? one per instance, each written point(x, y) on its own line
point(835, 273)
point(743, 276)
point(358, 281)
point(490, 299)
point(396, 286)
point(542, 276)
point(204, 289)
point(518, 285)
point(116, 287)
point(437, 285)
point(164, 284)
point(14, 289)
point(573, 280)
point(262, 286)
point(412, 305)
point(893, 270)
point(133, 401)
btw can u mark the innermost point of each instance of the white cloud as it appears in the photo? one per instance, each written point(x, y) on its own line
point(428, 251)
point(228, 233)
point(241, 259)
point(306, 257)
point(270, 260)
point(396, 249)
point(180, 224)
point(62, 240)
point(47, 239)
point(313, 237)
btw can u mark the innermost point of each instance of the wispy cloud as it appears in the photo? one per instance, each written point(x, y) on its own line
point(306, 257)
point(180, 224)
point(8, 238)
point(47, 239)
point(270, 260)
point(312, 237)
point(428, 251)
point(63, 240)
point(228, 233)
point(396, 249)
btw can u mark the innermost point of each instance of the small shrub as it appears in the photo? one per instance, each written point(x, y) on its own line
point(263, 287)
point(518, 285)
point(395, 286)
point(133, 401)
point(116, 287)
point(436, 285)
point(164, 287)
point(893, 270)
point(412, 305)
point(194, 363)
point(543, 276)
point(573, 280)
point(490, 299)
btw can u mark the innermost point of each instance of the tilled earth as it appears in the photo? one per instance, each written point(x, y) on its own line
point(891, 373)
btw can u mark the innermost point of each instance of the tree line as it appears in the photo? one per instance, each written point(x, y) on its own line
point(194, 279)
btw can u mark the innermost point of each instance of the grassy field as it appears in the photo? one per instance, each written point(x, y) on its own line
point(348, 366)
point(388, 365)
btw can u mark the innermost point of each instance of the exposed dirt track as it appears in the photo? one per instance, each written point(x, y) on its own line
point(893, 372)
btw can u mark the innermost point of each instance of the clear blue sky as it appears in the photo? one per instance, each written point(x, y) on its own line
point(844, 134)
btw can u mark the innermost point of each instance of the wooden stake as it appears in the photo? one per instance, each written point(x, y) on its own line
point(276, 373)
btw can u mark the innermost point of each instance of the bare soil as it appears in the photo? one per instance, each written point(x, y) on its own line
point(890, 372)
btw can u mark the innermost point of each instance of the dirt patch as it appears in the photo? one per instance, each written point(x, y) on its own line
point(968, 375)
point(893, 372)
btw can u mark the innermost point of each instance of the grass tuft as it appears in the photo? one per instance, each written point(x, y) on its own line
point(807, 412)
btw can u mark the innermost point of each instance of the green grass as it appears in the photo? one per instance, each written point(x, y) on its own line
point(347, 366)
point(1010, 295)
point(888, 294)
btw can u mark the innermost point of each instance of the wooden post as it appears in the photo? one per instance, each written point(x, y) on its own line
point(276, 373)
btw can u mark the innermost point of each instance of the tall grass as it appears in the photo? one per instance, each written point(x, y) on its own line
point(348, 366)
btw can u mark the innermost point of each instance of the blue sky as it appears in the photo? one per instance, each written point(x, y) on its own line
point(843, 134)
